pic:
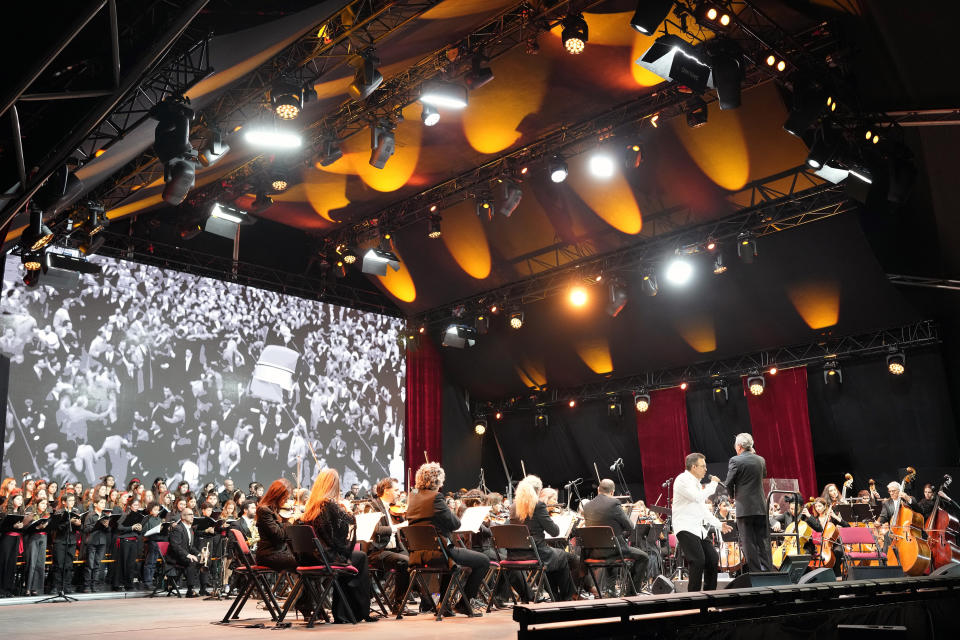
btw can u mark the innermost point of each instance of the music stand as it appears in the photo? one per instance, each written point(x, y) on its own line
point(849, 512)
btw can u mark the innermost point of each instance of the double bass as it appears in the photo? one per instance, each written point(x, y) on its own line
point(907, 548)
point(943, 530)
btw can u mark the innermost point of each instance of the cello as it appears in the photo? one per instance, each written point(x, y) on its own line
point(907, 548)
point(943, 529)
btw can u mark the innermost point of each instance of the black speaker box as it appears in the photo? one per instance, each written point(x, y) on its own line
point(874, 573)
point(763, 579)
point(795, 567)
point(952, 570)
point(663, 584)
point(823, 574)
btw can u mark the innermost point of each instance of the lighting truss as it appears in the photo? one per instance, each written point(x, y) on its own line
point(330, 290)
point(908, 337)
point(766, 209)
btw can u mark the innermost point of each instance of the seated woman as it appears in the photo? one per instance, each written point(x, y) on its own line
point(823, 515)
point(273, 550)
point(331, 523)
point(530, 511)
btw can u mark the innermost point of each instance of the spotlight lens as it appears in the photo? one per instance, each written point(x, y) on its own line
point(683, 385)
point(287, 111)
point(601, 165)
point(813, 163)
point(480, 429)
point(433, 208)
point(725, 19)
point(712, 13)
point(781, 65)
point(436, 233)
point(431, 119)
point(578, 296)
point(516, 322)
point(276, 139)
point(574, 46)
point(572, 403)
point(642, 405)
point(499, 415)
point(773, 371)
point(711, 246)
point(679, 272)
point(896, 368)
point(771, 60)
point(756, 388)
point(31, 266)
point(279, 185)
point(876, 139)
point(349, 258)
point(558, 175)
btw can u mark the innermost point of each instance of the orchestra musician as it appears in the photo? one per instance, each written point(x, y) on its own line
point(273, 550)
point(822, 515)
point(428, 506)
point(247, 523)
point(183, 552)
point(925, 504)
point(96, 535)
point(831, 494)
point(606, 511)
point(744, 483)
point(891, 506)
point(65, 544)
point(387, 491)
point(691, 519)
point(332, 523)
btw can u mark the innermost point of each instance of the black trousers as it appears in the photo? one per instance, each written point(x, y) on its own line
point(640, 560)
point(9, 552)
point(702, 561)
point(399, 562)
point(91, 573)
point(356, 588)
point(61, 574)
point(125, 559)
point(754, 532)
point(479, 565)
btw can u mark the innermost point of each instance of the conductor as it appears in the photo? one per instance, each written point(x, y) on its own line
point(745, 484)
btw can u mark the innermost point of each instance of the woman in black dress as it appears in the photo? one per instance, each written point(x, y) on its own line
point(530, 511)
point(273, 550)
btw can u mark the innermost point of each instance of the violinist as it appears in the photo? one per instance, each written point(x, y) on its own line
point(273, 549)
point(65, 543)
point(35, 548)
point(11, 543)
point(379, 555)
point(822, 515)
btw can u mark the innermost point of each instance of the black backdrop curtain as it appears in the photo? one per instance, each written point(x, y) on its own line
point(875, 424)
point(713, 425)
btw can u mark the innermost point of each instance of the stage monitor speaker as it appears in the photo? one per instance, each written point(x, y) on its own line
point(762, 579)
point(874, 573)
point(952, 570)
point(795, 566)
point(823, 574)
point(663, 584)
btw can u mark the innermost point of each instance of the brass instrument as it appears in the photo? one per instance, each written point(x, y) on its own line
point(254, 536)
point(205, 555)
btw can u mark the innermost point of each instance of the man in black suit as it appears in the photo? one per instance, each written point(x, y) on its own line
point(745, 484)
point(387, 491)
point(606, 511)
point(184, 553)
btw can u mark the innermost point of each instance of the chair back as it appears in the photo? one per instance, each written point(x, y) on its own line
point(301, 539)
point(672, 538)
point(163, 547)
point(240, 541)
point(597, 538)
point(512, 537)
point(420, 537)
point(856, 535)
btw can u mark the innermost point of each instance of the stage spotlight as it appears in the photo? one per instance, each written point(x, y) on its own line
point(675, 60)
point(279, 182)
point(433, 227)
point(572, 403)
point(824, 147)
point(212, 149)
point(719, 265)
point(261, 203)
point(484, 206)
point(832, 373)
point(648, 284)
point(367, 78)
point(498, 415)
point(617, 299)
point(614, 408)
point(516, 320)
point(649, 15)
point(574, 34)
point(746, 247)
point(286, 99)
point(273, 139)
point(375, 261)
point(444, 94)
point(329, 152)
point(697, 113)
point(429, 115)
point(684, 385)
point(807, 105)
point(480, 426)
point(641, 400)
point(601, 164)
point(756, 383)
point(511, 193)
point(713, 16)
point(679, 271)
point(633, 155)
point(557, 169)
point(720, 392)
point(726, 66)
point(861, 172)
point(37, 235)
point(482, 324)
point(171, 142)
point(459, 336)
point(578, 297)
point(479, 75)
point(775, 62)
point(31, 277)
point(382, 143)
point(773, 371)
point(541, 419)
point(896, 362)
point(230, 214)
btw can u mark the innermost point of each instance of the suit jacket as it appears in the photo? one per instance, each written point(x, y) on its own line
point(745, 475)
point(181, 546)
point(887, 511)
point(429, 506)
point(94, 534)
point(605, 511)
point(539, 524)
point(273, 539)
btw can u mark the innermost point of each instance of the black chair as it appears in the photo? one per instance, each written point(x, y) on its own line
point(424, 543)
point(522, 555)
point(250, 577)
point(317, 580)
point(600, 553)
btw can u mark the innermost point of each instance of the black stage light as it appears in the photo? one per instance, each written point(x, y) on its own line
point(382, 143)
point(485, 206)
point(376, 260)
point(212, 149)
point(719, 264)
point(459, 336)
point(574, 33)
point(632, 154)
point(896, 362)
point(261, 203)
point(614, 408)
point(87, 233)
point(367, 78)
point(807, 104)
point(479, 75)
point(433, 227)
point(171, 143)
point(649, 15)
point(713, 16)
point(720, 392)
point(557, 169)
point(31, 277)
point(482, 324)
point(429, 115)
point(746, 247)
point(329, 152)
point(832, 374)
point(516, 320)
point(727, 68)
point(510, 195)
point(37, 235)
point(648, 284)
point(617, 298)
point(641, 400)
point(697, 113)
point(286, 99)
point(756, 383)
point(823, 148)
point(675, 60)
point(541, 419)
point(480, 426)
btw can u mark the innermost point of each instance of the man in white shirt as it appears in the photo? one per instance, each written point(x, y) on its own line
point(691, 520)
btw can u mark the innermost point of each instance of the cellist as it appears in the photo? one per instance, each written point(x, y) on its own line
point(890, 508)
point(823, 515)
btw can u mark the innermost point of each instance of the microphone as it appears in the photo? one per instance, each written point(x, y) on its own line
point(573, 483)
point(667, 482)
point(616, 463)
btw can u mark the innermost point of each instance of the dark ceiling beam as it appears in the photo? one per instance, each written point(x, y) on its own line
point(307, 60)
point(797, 206)
point(921, 281)
point(904, 338)
point(922, 117)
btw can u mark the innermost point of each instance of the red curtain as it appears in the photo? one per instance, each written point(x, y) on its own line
point(424, 426)
point(780, 422)
point(664, 439)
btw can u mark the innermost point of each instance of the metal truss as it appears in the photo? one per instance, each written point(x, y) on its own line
point(667, 235)
point(920, 281)
point(325, 47)
point(165, 256)
point(907, 337)
point(922, 118)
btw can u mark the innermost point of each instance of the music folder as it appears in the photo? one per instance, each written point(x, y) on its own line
point(132, 518)
point(34, 526)
point(9, 520)
point(202, 523)
point(732, 535)
point(160, 530)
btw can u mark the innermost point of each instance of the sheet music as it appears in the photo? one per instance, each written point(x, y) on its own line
point(153, 531)
point(367, 524)
point(564, 522)
point(472, 518)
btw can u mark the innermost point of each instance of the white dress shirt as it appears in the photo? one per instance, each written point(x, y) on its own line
point(690, 512)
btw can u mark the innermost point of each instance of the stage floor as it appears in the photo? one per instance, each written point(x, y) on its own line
point(167, 618)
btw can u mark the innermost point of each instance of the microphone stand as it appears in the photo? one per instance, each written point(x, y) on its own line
point(576, 492)
point(61, 595)
point(626, 489)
